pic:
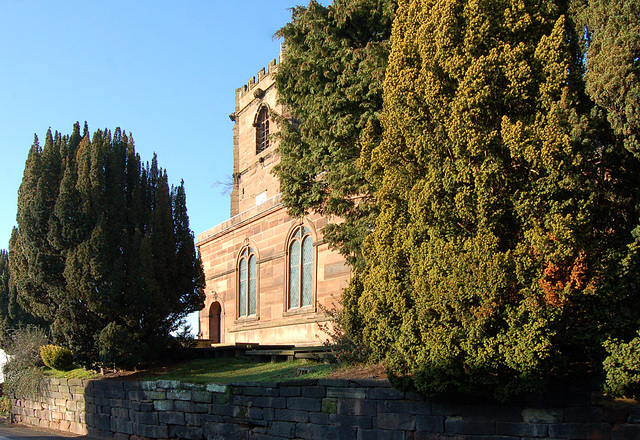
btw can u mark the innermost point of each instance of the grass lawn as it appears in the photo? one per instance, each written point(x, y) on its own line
point(228, 370)
point(242, 369)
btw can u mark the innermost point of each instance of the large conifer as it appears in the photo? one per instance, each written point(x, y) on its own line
point(102, 248)
point(330, 78)
point(506, 204)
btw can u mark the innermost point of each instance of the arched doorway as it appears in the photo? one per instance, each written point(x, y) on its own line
point(214, 323)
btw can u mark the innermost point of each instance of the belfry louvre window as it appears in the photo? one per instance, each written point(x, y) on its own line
point(262, 130)
point(300, 268)
point(247, 283)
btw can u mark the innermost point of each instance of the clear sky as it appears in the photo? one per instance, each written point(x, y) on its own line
point(166, 71)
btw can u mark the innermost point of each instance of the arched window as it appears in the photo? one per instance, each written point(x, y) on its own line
point(247, 283)
point(300, 268)
point(262, 130)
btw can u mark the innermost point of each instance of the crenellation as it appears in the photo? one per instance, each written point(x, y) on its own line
point(263, 74)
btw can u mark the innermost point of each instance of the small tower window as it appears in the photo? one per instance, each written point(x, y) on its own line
point(262, 130)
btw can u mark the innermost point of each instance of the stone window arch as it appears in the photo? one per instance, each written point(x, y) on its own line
point(300, 273)
point(261, 123)
point(247, 275)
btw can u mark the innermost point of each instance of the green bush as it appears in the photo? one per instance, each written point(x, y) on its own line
point(622, 368)
point(56, 357)
point(5, 406)
point(23, 373)
point(119, 347)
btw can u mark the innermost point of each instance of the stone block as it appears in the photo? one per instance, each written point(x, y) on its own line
point(319, 418)
point(522, 429)
point(456, 425)
point(289, 415)
point(201, 396)
point(226, 431)
point(361, 422)
point(383, 393)
point(148, 385)
point(405, 407)
point(433, 424)
point(185, 432)
point(171, 418)
point(291, 391)
point(580, 431)
point(401, 422)
point(625, 432)
point(541, 415)
point(221, 410)
point(252, 391)
point(583, 414)
point(216, 388)
point(121, 425)
point(154, 395)
point(146, 418)
point(364, 434)
point(202, 408)
point(168, 384)
point(324, 432)
point(179, 395)
point(304, 404)
point(192, 419)
point(282, 429)
point(313, 392)
point(151, 431)
point(120, 412)
point(492, 413)
point(356, 407)
point(634, 414)
point(269, 402)
point(184, 406)
point(163, 405)
point(347, 393)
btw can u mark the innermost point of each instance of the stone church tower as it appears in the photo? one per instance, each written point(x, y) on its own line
point(267, 274)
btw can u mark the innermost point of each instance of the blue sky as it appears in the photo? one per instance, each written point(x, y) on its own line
point(166, 71)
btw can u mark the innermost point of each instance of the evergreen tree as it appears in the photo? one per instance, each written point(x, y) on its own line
point(613, 62)
point(330, 77)
point(97, 254)
point(501, 252)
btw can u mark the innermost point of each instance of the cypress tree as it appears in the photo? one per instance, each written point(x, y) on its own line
point(499, 253)
point(330, 77)
point(96, 254)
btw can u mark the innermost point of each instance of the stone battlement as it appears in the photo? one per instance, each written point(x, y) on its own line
point(262, 74)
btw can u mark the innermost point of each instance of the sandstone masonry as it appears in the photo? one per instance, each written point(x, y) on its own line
point(315, 409)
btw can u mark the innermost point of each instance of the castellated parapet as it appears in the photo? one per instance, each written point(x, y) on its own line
point(271, 67)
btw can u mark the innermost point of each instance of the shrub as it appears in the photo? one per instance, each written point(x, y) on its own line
point(344, 349)
point(622, 368)
point(56, 357)
point(119, 347)
point(23, 373)
point(5, 406)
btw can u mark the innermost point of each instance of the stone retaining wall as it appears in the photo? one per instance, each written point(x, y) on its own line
point(315, 409)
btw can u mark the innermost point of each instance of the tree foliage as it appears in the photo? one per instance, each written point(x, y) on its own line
point(612, 37)
point(12, 315)
point(330, 77)
point(103, 241)
point(505, 247)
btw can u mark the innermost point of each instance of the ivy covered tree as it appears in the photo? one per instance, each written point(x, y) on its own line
point(103, 250)
point(504, 251)
point(330, 77)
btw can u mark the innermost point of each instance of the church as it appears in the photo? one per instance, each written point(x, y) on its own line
point(268, 275)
